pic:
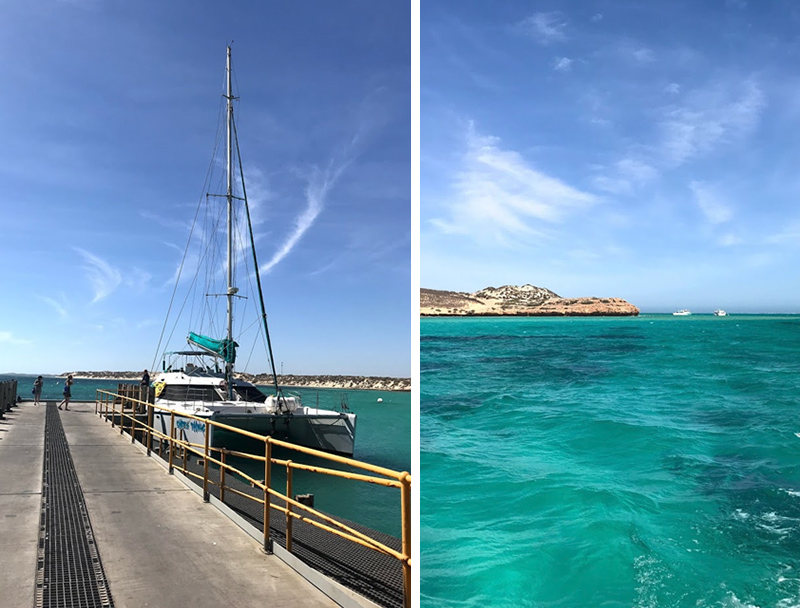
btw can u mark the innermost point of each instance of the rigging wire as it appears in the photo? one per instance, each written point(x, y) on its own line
point(206, 182)
point(255, 263)
point(212, 255)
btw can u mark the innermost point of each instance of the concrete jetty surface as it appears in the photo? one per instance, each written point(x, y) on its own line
point(159, 543)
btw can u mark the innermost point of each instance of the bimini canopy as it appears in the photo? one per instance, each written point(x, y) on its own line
point(226, 349)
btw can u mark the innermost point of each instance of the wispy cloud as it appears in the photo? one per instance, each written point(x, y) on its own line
point(371, 116)
point(319, 186)
point(636, 53)
point(6, 337)
point(137, 278)
point(497, 193)
point(545, 28)
point(317, 190)
point(185, 268)
point(720, 114)
point(258, 194)
point(624, 175)
point(730, 240)
point(59, 308)
point(790, 234)
point(102, 275)
point(710, 203)
point(563, 64)
point(710, 117)
point(161, 220)
point(596, 108)
point(457, 60)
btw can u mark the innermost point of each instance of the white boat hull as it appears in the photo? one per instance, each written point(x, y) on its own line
point(318, 429)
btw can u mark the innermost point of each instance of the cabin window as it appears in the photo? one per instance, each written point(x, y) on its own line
point(189, 392)
point(250, 393)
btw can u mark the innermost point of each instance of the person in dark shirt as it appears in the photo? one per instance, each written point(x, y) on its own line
point(144, 393)
point(67, 393)
point(37, 390)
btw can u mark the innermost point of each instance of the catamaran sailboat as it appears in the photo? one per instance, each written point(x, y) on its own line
point(201, 381)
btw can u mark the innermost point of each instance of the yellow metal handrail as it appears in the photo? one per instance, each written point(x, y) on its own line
point(390, 478)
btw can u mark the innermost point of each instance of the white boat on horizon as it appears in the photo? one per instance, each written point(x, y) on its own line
point(201, 381)
point(720, 313)
point(681, 313)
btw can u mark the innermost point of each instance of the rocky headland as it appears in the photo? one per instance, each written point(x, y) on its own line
point(372, 383)
point(511, 300)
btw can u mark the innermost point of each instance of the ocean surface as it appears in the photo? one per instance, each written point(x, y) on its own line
point(383, 437)
point(615, 462)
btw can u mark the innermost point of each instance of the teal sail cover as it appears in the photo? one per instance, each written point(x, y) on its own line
point(223, 348)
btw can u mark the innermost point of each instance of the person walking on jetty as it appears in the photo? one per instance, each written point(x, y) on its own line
point(37, 390)
point(144, 393)
point(67, 393)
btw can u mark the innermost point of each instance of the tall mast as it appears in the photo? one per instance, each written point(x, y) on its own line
point(229, 196)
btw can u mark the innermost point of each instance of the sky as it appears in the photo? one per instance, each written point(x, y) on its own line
point(109, 121)
point(642, 150)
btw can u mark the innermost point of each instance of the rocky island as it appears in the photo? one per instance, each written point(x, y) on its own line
point(372, 383)
point(511, 300)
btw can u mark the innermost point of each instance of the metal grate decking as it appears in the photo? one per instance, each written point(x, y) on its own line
point(376, 576)
point(69, 573)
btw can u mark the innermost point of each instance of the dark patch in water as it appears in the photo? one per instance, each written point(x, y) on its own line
point(448, 408)
point(620, 335)
point(755, 507)
point(728, 418)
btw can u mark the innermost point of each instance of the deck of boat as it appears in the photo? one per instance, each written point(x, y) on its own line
point(91, 516)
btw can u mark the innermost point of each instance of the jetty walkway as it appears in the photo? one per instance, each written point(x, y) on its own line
point(81, 506)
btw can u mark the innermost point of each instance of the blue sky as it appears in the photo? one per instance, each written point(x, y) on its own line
point(108, 123)
point(644, 150)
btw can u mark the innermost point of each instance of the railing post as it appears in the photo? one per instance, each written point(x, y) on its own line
point(267, 485)
point(171, 437)
point(405, 513)
point(149, 429)
point(289, 518)
point(205, 463)
point(133, 424)
point(222, 477)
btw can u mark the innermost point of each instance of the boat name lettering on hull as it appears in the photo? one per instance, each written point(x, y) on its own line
point(194, 425)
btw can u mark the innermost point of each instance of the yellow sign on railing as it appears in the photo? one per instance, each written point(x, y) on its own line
point(108, 402)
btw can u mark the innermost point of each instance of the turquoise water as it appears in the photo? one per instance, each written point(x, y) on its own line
point(646, 462)
point(383, 437)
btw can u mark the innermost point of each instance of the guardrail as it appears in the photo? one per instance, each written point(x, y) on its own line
point(8, 396)
point(112, 404)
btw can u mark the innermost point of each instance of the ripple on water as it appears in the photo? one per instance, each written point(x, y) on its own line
point(627, 462)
